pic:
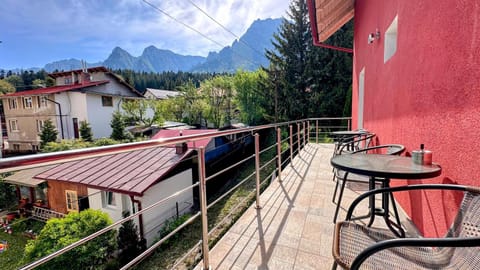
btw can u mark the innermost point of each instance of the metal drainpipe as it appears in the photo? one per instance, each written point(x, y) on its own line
point(140, 217)
point(59, 111)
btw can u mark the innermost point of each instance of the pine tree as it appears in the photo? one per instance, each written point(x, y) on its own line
point(308, 81)
point(118, 127)
point(129, 242)
point(48, 134)
point(86, 131)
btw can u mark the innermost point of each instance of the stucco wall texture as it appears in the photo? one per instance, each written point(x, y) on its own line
point(427, 92)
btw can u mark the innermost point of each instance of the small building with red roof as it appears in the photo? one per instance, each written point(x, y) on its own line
point(88, 94)
point(127, 181)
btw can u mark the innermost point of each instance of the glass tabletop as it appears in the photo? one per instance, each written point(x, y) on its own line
point(348, 132)
point(385, 166)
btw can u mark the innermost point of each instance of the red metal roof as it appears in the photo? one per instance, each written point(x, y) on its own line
point(130, 172)
point(54, 89)
point(170, 133)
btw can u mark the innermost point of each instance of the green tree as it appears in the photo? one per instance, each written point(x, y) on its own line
point(248, 98)
point(60, 232)
point(190, 103)
point(38, 83)
point(129, 243)
point(301, 74)
point(86, 131)
point(218, 95)
point(16, 81)
point(7, 192)
point(48, 134)
point(6, 87)
point(118, 127)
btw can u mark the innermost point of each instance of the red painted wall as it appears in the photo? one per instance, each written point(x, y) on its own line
point(428, 92)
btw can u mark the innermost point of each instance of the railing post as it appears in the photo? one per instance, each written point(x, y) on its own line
point(203, 206)
point(291, 145)
point(316, 130)
point(257, 170)
point(305, 136)
point(308, 132)
point(279, 153)
point(299, 135)
point(349, 124)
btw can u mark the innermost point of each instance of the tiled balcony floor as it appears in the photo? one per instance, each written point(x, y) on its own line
point(294, 228)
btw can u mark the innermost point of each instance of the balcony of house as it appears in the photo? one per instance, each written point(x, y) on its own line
point(286, 195)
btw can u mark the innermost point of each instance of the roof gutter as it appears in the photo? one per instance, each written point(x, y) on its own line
point(313, 26)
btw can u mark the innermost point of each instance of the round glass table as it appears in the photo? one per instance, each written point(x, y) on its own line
point(382, 168)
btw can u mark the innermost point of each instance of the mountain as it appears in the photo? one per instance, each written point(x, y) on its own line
point(246, 53)
point(68, 64)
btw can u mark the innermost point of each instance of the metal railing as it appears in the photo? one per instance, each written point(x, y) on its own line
point(289, 139)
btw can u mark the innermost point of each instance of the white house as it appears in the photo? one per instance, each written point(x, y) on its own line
point(90, 95)
point(153, 93)
point(128, 181)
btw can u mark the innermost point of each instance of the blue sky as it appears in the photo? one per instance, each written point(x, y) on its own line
point(37, 32)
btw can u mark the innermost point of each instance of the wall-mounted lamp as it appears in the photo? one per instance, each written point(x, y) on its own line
point(373, 36)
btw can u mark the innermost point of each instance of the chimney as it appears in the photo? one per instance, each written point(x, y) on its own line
point(181, 148)
point(85, 77)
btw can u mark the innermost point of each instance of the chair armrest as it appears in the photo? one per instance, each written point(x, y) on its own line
point(414, 242)
point(402, 188)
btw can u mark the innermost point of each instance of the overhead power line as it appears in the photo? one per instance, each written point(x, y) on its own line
point(182, 23)
point(225, 28)
point(195, 30)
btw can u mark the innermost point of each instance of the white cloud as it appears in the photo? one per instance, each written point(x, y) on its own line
point(95, 27)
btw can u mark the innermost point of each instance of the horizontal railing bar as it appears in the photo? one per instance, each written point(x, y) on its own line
point(230, 213)
point(285, 161)
point(268, 176)
point(196, 246)
point(38, 160)
point(154, 246)
point(268, 148)
point(230, 190)
point(268, 163)
point(228, 168)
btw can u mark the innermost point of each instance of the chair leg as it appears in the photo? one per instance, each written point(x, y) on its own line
point(334, 266)
point(340, 195)
point(336, 188)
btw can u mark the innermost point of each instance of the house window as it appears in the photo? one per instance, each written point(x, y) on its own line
point(107, 101)
point(68, 80)
point(72, 200)
point(108, 198)
point(16, 147)
point(27, 102)
point(42, 102)
point(40, 124)
point(35, 147)
point(12, 103)
point(13, 125)
point(391, 40)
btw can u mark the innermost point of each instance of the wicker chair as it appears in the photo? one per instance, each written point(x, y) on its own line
point(359, 247)
point(344, 177)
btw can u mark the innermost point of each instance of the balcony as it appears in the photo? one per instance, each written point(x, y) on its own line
point(289, 225)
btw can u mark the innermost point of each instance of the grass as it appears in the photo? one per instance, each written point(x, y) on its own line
point(12, 257)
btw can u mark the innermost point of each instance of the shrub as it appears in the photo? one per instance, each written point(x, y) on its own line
point(61, 232)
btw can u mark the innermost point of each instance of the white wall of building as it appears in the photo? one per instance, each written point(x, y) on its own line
point(154, 218)
point(122, 203)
